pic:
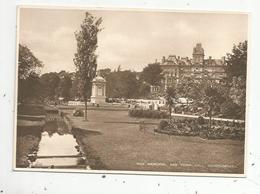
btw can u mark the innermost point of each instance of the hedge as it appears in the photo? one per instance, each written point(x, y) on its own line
point(155, 114)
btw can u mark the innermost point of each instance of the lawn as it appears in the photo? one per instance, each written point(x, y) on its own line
point(120, 145)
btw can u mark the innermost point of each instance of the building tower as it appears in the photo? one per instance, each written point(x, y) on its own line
point(198, 54)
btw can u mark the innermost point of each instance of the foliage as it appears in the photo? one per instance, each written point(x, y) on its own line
point(229, 109)
point(237, 70)
point(187, 88)
point(56, 85)
point(170, 98)
point(140, 113)
point(237, 93)
point(29, 89)
point(105, 72)
point(211, 98)
point(64, 86)
point(193, 127)
point(163, 124)
point(237, 60)
point(151, 74)
point(74, 91)
point(143, 90)
point(28, 64)
point(50, 82)
point(85, 59)
point(28, 76)
point(122, 84)
point(200, 120)
point(78, 113)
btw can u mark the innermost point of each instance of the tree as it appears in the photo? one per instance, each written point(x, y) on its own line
point(65, 84)
point(211, 99)
point(122, 84)
point(28, 74)
point(143, 90)
point(170, 99)
point(85, 59)
point(105, 72)
point(237, 60)
point(28, 64)
point(74, 91)
point(229, 109)
point(50, 82)
point(187, 88)
point(237, 93)
point(237, 70)
point(30, 89)
point(151, 74)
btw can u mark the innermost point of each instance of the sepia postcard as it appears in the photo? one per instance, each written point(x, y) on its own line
point(159, 92)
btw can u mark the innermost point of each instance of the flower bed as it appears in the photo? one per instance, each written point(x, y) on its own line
point(197, 127)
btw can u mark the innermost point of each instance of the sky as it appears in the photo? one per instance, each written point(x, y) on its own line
point(131, 39)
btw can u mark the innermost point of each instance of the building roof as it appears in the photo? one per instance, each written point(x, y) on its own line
point(173, 60)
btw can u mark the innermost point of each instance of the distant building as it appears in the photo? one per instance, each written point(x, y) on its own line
point(175, 68)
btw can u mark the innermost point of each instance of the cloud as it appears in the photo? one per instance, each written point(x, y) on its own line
point(129, 39)
point(56, 49)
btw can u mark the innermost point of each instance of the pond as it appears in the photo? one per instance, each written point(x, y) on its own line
point(57, 148)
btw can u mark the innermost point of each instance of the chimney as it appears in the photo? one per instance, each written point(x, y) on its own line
point(163, 59)
point(224, 60)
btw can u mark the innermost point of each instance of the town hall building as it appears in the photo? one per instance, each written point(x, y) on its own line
point(176, 68)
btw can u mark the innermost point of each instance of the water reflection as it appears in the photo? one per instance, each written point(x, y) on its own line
point(57, 145)
point(57, 148)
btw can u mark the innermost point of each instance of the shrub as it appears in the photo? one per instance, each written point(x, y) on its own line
point(229, 109)
point(140, 113)
point(163, 124)
point(201, 120)
point(78, 113)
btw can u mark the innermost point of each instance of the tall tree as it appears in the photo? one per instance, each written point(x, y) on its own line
point(74, 91)
point(237, 71)
point(143, 90)
point(85, 59)
point(122, 84)
point(151, 74)
point(211, 98)
point(187, 88)
point(65, 85)
point(27, 63)
point(170, 99)
point(105, 72)
point(237, 93)
point(28, 74)
point(237, 60)
point(50, 82)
